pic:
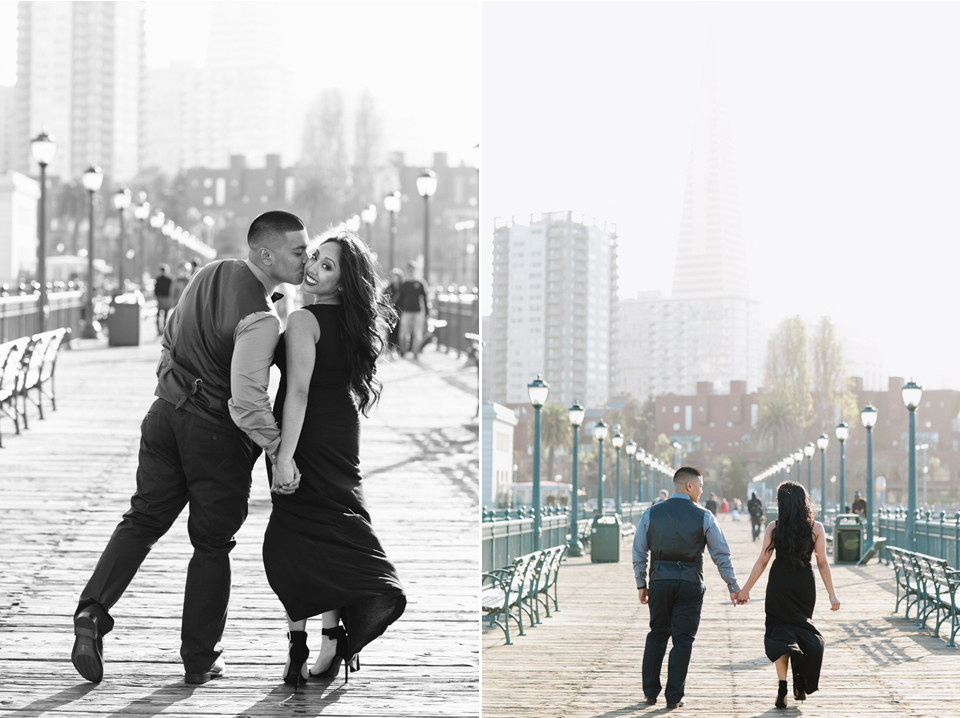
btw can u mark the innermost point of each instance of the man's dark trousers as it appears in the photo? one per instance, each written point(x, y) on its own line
point(675, 608)
point(183, 459)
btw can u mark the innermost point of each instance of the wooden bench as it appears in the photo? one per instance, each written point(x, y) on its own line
point(11, 363)
point(520, 589)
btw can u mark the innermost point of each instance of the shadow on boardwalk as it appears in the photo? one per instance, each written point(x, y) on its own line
point(65, 483)
point(585, 660)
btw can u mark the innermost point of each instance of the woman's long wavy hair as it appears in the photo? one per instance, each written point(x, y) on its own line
point(793, 533)
point(367, 318)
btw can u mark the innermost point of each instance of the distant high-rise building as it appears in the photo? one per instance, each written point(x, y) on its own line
point(7, 95)
point(242, 102)
point(554, 309)
point(709, 329)
point(80, 75)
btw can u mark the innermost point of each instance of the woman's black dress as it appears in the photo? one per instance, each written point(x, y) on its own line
point(791, 597)
point(320, 551)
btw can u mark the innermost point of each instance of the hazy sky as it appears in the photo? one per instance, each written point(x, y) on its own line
point(420, 59)
point(846, 124)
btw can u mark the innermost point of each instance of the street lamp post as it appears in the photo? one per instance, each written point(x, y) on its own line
point(159, 246)
point(911, 394)
point(43, 147)
point(843, 431)
point(391, 203)
point(641, 464)
point(822, 442)
point(600, 433)
point(121, 200)
point(537, 390)
point(92, 180)
point(808, 452)
point(142, 212)
point(575, 548)
point(369, 216)
point(868, 417)
point(923, 447)
point(631, 452)
point(618, 444)
point(426, 186)
point(798, 460)
point(677, 447)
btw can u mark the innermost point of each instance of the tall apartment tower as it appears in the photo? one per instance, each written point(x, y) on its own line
point(554, 309)
point(708, 330)
point(80, 75)
point(243, 101)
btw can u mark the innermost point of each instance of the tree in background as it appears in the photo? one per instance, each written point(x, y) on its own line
point(324, 184)
point(555, 433)
point(732, 473)
point(832, 398)
point(787, 407)
point(367, 136)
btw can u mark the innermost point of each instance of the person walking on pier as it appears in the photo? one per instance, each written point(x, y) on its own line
point(755, 509)
point(791, 591)
point(320, 552)
point(199, 442)
point(675, 533)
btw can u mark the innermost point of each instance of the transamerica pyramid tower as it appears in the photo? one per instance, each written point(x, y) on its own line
point(711, 259)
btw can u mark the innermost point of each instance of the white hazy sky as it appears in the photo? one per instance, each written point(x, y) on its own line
point(846, 124)
point(420, 59)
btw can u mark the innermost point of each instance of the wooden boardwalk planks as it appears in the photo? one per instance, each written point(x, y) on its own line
point(65, 483)
point(585, 660)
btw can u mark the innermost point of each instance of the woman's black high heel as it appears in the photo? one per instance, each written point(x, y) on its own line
point(799, 688)
point(340, 636)
point(781, 694)
point(293, 674)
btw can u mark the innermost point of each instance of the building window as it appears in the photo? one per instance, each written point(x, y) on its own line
point(207, 201)
point(676, 410)
point(207, 183)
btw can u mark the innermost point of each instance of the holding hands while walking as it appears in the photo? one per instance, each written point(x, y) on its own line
point(286, 476)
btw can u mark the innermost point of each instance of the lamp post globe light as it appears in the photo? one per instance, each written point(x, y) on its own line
point(391, 203)
point(575, 548)
point(426, 187)
point(353, 224)
point(822, 442)
point(43, 148)
point(843, 433)
point(537, 390)
point(911, 394)
point(808, 451)
point(92, 180)
point(631, 449)
point(617, 442)
point(798, 460)
point(121, 201)
point(600, 433)
point(868, 417)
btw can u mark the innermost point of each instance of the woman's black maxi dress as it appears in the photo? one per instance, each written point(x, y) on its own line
point(790, 600)
point(320, 551)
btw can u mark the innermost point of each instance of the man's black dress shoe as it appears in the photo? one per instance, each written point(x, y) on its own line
point(87, 655)
point(678, 704)
point(650, 700)
point(196, 679)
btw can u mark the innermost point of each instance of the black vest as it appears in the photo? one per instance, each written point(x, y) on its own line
point(195, 373)
point(676, 540)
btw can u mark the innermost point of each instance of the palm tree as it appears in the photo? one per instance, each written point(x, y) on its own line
point(777, 424)
point(555, 432)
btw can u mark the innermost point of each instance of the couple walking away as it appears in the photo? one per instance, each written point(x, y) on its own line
point(211, 420)
point(675, 533)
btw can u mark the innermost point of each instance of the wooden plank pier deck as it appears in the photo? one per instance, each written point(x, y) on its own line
point(65, 482)
point(586, 659)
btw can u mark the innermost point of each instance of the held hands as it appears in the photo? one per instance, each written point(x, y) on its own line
point(735, 597)
point(834, 602)
point(742, 596)
point(286, 477)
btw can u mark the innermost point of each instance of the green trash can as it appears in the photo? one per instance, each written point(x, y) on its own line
point(605, 539)
point(848, 538)
point(123, 324)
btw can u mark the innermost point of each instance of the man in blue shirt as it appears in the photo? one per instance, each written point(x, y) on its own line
point(675, 532)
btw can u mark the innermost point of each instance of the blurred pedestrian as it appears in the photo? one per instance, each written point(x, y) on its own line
point(184, 272)
point(393, 294)
point(413, 305)
point(712, 504)
point(755, 509)
point(859, 505)
point(662, 496)
point(162, 290)
point(735, 509)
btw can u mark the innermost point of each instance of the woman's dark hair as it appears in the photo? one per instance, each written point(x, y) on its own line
point(792, 535)
point(366, 319)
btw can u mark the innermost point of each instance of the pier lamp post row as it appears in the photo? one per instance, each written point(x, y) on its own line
point(617, 442)
point(600, 433)
point(911, 394)
point(808, 451)
point(537, 390)
point(92, 181)
point(576, 414)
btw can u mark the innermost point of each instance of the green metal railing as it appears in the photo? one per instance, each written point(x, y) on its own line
point(506, 534)
point(936, 534)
